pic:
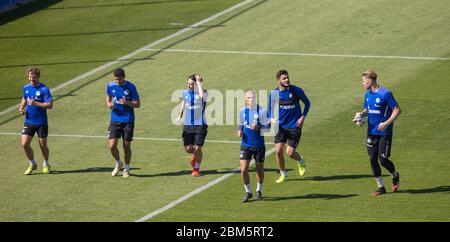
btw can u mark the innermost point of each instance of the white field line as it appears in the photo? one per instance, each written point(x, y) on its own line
point(195, 192)
point(134, 138)
point(302, 54)
point(125, 57)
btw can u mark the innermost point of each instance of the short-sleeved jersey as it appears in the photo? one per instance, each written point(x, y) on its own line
point(194, 107)
point(249, 116)
point(288, 105)
point(380, 105)
point(121, 113)
point(34, 114)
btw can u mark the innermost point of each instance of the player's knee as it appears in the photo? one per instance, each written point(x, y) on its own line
point(198, 149)
point(383, 159)
point(112, 146)
point(290, 153)
point(189, 149)
point(244, 170)
point(26, 145)
point(279, 152)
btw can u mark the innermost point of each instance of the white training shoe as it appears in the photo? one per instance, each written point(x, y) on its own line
point(117, 169)
point(126, 174)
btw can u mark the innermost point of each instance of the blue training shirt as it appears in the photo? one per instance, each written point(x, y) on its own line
point(34, 114)
point(288, 105)
point(248, 116)
point(121, 113)
point(195, 107)
point(380, 105)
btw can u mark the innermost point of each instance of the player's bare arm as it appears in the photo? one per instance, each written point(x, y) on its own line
point(395, 113)
point(109, 102)
point(23, 104)
point(199, 81)
point(132, 103)
point(48, 105)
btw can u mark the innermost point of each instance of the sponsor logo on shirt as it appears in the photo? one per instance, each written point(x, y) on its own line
point(374, 111)
point(287, 107)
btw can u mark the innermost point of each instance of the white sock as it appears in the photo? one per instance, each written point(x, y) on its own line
point(127, 167)
point(32, 162)
point(259, 187)
point(197, 165)
point(119, 162)
point(380, 182)
point(248, 188)
point(283, 172)
point(46, 163)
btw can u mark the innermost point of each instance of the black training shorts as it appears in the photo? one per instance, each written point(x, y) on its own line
point(194, 134)
point(121, 130)
point(289, 136)
point(247, 153)
point(30, 130)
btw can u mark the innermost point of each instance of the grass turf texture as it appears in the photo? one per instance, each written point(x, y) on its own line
point(338, 182)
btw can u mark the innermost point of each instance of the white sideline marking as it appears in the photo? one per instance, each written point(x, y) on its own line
point(182, 31)
point(302, 54)
point(134, 138)
point(195, 192)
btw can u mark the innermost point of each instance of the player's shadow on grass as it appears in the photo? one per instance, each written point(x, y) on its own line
point(88, 170)
point(444, 189)
point(333, 178)
point(311, 196)
point(43, 35)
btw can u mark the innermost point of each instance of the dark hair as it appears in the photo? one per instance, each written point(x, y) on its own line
point(281, 72)
point(192, 77)
point(119, 72)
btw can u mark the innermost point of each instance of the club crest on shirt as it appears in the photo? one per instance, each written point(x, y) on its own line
point(197, 96)
point(290, 95)
point(255, 116)
point(126, 92)
point(38, 93)
point(377, 100)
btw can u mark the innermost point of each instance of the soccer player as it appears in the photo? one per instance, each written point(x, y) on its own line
point(382, 109)
point(195, 128)
point(252, 118)
point(36, 99)
point(122, 98)
point(290, 121)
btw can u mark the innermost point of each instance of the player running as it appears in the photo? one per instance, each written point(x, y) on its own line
point(382, 109)
point(36, 99)
point(122, 98)
point(252, 118)
point(290, 121)
point(195, 128)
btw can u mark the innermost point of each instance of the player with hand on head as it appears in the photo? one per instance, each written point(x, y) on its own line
point(381, 109)
point(195, 128)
